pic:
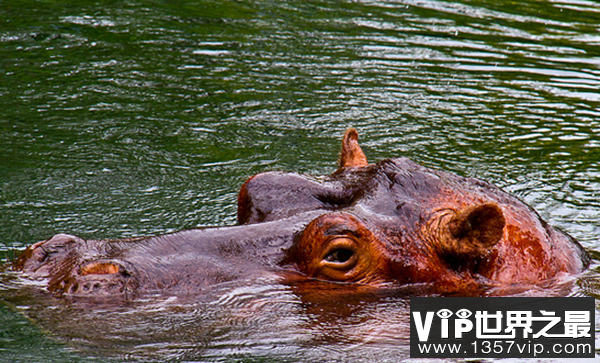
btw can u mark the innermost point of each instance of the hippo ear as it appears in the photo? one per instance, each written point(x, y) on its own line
point(475, 229)
point(352, 155)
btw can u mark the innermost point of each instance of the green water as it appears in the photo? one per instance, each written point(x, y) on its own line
point(143, 117)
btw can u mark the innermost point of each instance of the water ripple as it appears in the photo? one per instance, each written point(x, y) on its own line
point(144, 118)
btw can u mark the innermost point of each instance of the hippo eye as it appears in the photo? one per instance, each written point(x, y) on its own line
point(340, 255)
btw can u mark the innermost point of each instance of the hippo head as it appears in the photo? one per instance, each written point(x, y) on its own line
point(391, 223)
point(398, 222)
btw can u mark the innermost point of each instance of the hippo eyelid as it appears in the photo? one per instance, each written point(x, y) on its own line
point(340, 242)
point(340, 231)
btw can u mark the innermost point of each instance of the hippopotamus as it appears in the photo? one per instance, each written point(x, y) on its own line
point(391, 223)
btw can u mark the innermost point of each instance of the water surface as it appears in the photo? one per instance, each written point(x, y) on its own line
point(143, 117)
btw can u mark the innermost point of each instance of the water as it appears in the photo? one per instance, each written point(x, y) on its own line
point(144, 117)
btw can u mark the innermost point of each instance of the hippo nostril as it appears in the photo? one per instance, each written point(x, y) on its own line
point(340, 255)
point(73, 287)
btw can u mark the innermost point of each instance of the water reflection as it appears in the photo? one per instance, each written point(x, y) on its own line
point(251, 318)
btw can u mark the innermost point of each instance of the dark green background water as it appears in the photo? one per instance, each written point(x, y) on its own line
point(123, 118)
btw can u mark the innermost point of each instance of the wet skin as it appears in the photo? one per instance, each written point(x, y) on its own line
point(393, 223)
